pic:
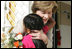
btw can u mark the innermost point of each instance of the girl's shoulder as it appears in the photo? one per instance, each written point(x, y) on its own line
point(27, 41)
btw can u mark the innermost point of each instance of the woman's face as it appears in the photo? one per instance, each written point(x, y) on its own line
point(46, 15)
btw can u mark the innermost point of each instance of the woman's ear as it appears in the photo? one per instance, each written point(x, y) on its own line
point(28, 30)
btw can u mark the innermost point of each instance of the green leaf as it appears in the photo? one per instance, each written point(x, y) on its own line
point(11, 34)
point(12, 39)
point(20, 43)
point(11, 44)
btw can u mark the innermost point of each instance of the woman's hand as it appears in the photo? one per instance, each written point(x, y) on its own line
point(39, 34)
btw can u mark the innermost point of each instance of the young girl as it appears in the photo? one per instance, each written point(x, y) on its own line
point(33, 22)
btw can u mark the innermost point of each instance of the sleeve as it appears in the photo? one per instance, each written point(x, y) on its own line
point(45, 29)
point(50, 40)
point(19, 26)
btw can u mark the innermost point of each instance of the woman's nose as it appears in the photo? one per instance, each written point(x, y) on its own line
point(45, 16)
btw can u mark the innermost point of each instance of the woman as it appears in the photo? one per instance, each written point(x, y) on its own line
point(45, 9)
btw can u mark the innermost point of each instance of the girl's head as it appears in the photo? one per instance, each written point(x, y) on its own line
point(45, 9)
point(32, 22)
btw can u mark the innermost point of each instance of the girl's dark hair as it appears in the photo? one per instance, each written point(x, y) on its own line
point(34, 22)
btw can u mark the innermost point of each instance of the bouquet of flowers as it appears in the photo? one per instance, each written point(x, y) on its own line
point(11, 40)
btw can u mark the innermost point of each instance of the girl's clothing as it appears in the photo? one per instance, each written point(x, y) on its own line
point(27, 41)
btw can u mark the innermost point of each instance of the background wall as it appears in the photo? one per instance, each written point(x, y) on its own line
point(67, 2)
point(64, 16)
point(66, 36)
point(2, 15)
point(14, 13)
point(64, 23)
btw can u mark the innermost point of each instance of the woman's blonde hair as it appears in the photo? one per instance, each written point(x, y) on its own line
point(44, 5)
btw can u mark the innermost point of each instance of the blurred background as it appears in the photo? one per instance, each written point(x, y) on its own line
point(13, 11)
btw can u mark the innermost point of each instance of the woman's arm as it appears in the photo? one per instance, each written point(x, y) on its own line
point(50, 38)
point(41, 36)
point(51, 23)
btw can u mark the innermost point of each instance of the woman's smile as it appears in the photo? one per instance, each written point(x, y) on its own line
point(44, 20)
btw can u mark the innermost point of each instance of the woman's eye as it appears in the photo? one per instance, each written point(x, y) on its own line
point(49, 13)
point(43, 12)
